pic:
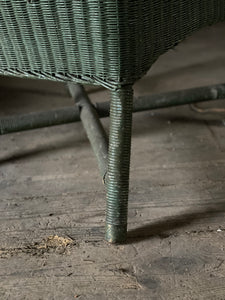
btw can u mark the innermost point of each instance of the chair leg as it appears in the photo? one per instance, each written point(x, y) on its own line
point(119, 164)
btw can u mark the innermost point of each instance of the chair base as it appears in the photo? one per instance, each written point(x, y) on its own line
point(113, 163)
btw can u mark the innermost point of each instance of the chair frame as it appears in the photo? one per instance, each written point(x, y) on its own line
point(114, 156)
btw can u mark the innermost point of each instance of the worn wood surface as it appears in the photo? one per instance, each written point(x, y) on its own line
point(50, 186)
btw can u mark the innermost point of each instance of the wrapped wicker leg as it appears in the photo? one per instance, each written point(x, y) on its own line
point(118, 164)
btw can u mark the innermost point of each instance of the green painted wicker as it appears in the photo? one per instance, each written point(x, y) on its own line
point(108, 42)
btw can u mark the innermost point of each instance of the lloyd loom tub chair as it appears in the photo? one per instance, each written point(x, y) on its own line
point(111, 43)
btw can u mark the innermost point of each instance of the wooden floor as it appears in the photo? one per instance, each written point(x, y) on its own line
point(52, 201)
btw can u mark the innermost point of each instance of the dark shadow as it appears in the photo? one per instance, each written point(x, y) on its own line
point(29, 153)
point(164, 227)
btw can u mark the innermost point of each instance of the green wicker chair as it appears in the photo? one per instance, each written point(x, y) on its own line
point(111, 43)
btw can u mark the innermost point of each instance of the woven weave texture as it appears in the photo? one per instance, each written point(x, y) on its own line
point(107, 42)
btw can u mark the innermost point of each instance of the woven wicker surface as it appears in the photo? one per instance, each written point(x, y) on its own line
point(106, 42)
